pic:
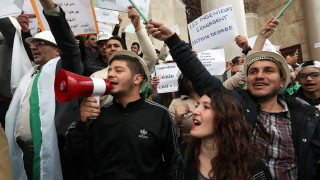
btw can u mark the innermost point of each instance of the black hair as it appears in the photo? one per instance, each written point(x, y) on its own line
point(308, 63)
point(184, 87)
point(135, 43)
point(115, 38)
point(88, 36)
point(157, 51)
point(235, 60)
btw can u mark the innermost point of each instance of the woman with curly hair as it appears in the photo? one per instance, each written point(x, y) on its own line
point(220, 146)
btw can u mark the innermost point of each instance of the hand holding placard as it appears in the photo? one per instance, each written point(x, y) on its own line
point(140, 12)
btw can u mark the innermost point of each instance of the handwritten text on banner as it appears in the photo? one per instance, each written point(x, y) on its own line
point(213, 29)
point(214, 61)
point(168, 74)
point(79, 15)
point(122, 5)
point(107, 16)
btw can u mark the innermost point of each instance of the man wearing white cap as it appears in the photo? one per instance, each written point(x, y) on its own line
point(132, 137)
point(309, 79)
point(286, 132)
point(36, 122)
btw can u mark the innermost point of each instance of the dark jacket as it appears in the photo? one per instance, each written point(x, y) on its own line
point(259, 171)
point(300, 94)
point(128, 143)
point(305, 119)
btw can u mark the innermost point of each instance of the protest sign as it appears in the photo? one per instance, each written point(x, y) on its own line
point(104, 28)
point(168, 74)
point(213, 29)
point(176, 29)
point(33, 22)
point(267, 45)
point(79, 15)
point(121, 5)
point(107, 16)
point(10, 8)
point(214, 61)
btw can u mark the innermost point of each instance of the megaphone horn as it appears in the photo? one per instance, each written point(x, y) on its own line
point(69, 86)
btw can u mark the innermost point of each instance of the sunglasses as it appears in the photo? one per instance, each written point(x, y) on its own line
point(313, 75)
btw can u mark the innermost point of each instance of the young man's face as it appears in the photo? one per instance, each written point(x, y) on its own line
point(121, 78)
point(264, 80)
point(107, 48)
point(135, 48)
point(309, 79)
point(92, 41)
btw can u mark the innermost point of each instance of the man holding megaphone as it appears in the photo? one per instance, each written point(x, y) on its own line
point(131, 135)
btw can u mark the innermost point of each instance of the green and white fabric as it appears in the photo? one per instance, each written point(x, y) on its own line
point(49, 159)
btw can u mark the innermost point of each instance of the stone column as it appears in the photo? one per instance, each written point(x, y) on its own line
point(312, 22)
point(232, 49)
point(252, 18)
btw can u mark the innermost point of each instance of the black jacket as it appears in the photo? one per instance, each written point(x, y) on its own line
point(305, 119)
point(128, 143)
point(300, 94)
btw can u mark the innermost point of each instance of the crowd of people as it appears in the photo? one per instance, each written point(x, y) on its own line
point(262, 122)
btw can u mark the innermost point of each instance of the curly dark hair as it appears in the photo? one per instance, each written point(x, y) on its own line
point(232, 138)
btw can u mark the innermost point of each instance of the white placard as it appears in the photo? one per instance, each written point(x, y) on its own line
point(267, 45)
point(168, 74)
point(104, 28)
point(79, 15)
point(213, 29)
point(107, 16)
point(10, 8)
point(317, 45)
point(33, 22)
point(214, 61)
point(122, 5)
point(175, 29)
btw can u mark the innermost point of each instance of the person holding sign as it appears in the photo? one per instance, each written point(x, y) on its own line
point(289, 146)
point(112, 45)
point(36, 123)
point(132, 138)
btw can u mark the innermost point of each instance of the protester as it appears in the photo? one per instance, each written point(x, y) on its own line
point(92, 53)
point(132, 138)
point(293, 86)
point(115, 44)
point(309, 79)
point(36, 122)
point(182, 106)
point(221, 146)
point(286, 132)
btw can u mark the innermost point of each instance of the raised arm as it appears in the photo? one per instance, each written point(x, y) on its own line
point(261, 39)
point(69, 49)
point(186, 60)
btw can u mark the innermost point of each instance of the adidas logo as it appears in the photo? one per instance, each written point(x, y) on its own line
point(143, 134)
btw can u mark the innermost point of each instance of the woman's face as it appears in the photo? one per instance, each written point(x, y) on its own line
point(203, 117)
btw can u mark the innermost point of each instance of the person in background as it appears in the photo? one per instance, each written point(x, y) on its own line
point(220, 145)
point(135, 47)
point(293, 86)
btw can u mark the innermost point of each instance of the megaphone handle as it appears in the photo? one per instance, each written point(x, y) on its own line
point(98, 102)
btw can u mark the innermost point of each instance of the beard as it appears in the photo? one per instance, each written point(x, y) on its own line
point(124, 89)
point(265, 97)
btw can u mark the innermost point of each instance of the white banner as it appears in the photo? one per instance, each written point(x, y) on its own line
point(104, 28)
point(213, 29)
point(267, 45)
point(79, 15)
point(122, 5)
point(168, 74)
point(107, 16)
point(214, 61)
point(10, 8)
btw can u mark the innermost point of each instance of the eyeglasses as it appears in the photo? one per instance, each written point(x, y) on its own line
point(313, 75)
point(40, 43)
point(101, 44)
point(93, 39)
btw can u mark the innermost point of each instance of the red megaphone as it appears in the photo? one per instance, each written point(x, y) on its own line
point(69, 86)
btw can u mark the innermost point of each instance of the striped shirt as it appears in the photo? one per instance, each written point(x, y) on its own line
point(273, 136)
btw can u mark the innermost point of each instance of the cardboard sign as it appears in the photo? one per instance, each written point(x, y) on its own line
point(107, 16)
point(79, 14)
point(121, 5)
point(214, 61)
point(267, 45)
point(10, 8)
point(168, 74)
point(104, 28)
point(213, 29)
